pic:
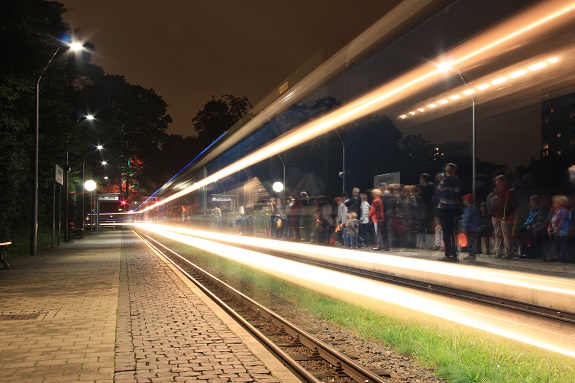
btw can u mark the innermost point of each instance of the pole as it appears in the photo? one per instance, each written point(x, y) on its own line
point(67, 202)
point(473, 143)
point(473, 153)
point(34, 236)
point(343, 160)
point(83, 199)
point(53, 211)
point(59, 212)
point(284, 179)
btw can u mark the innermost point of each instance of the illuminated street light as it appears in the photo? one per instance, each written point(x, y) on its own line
point(99, 147)
point(74, 46)
point(278, 187)
point(90, 117)
point(104, 163)
point(90, 186)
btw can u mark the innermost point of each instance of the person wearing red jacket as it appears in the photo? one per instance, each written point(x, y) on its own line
point(377, 216)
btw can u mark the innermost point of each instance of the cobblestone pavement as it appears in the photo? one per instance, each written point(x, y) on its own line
point(59, 314)
point(107, 309)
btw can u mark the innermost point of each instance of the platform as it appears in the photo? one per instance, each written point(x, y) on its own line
point(107, 309)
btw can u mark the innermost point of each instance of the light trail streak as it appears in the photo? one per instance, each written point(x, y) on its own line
point(371, 293)
point(486, 81)
point(511, 279)
point(415, 80)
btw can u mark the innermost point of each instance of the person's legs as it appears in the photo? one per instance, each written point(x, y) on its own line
point(560, 248)
point(498, 234)
point(507, 229)
point(447, 218)
point(472, 245)
point(377, 226)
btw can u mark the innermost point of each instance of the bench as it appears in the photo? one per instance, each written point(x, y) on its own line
point(76, 232)
point(4, 250)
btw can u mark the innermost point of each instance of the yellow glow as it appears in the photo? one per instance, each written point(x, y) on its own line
point(420, 109)
point(454, 97)
point(499, 80)
point(468, 91)
point(431, 106)
point(538, 66)
point(553, 60)
point(483, 86)
point(403, 116)
point(356, 289)
point(412, 112)
point(479, 49)
point(444, 66)
point(443, 101)
point(517, 73)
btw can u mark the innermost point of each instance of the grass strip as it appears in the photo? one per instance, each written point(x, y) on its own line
point(457, 353)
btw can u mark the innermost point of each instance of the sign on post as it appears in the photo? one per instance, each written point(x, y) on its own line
point(387, 178)
point(59, 175)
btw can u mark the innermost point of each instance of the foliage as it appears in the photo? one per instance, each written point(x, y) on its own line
point(217, 116)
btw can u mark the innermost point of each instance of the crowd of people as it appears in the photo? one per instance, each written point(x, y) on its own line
point(400, 216)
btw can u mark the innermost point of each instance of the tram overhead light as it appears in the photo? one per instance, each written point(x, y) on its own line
point(443, 101)
point(499, 80)
point(538, 66)
point(517, 73)
point(483, 86)
point(468, 91)
point(431, 106)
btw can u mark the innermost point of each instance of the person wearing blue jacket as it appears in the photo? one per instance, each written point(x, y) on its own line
point(471, 220)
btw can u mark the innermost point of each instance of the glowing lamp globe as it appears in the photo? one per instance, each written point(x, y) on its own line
point(278, 187)
point(90, 185)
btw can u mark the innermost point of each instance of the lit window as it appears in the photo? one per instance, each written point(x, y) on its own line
point(552, 110)
point(545, 153)
point(546, 146)
point(559, 152)
point(558, 135)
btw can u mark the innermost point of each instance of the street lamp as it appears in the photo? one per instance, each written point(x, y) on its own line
point(75, 46)
point(88, 117)
point(98, 147)
point(284, 179)
point(342, 173)
point(90, 186)
point(444, 67)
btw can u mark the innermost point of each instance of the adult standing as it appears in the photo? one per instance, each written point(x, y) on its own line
point(388, 202)
point(377, 216)
point(364, 220)
point(448, 190)
point(354, 203)
point(502, 204)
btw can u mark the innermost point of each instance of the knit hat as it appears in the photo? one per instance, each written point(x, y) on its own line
point(468, 198)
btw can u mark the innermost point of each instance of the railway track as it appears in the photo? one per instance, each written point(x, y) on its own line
point(306, 356)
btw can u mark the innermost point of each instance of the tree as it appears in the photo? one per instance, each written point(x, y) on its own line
point(417, 154)
point(132, 122)
point(26, 27)
point(216, 117)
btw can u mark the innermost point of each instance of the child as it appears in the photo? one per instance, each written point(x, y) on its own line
point(471, 221)
point(486, 228)
point(351, 230)
point(559, 227)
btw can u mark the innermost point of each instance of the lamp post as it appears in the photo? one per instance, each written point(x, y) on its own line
point(34, 237)
point(444, 67)
point(98, 147)
point(67, 186)
point(342, 174)
point(284, 179)
point(90, 186)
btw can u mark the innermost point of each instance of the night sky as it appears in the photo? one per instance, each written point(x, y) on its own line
point(188, 51)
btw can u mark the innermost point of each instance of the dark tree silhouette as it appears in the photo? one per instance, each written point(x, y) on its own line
point(216, 117)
